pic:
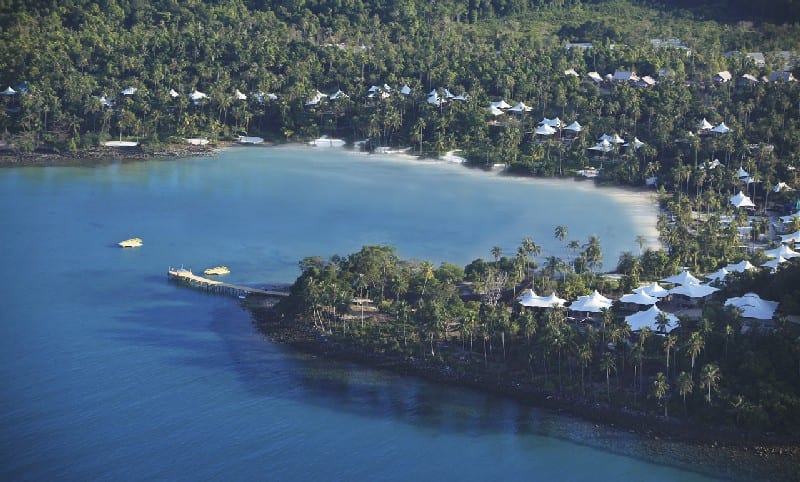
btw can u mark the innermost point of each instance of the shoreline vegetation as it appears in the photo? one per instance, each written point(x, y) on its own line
point(307, 339)
point(445, 357)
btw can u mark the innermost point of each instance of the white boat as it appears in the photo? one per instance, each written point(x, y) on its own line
point(120, 144)
point(250, 140)
point(451, 156)
point(326, 141)
point(131, 243)
point(391, 150)
point(217, 270)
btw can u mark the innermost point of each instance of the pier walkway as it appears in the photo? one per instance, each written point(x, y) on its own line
point(185, 276)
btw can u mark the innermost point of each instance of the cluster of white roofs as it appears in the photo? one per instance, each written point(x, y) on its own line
point(619, 76)
point(740, 199)
point(684, 285)
point(726, 76)
point(196, 96)
point(607, 143)
point(435, 97)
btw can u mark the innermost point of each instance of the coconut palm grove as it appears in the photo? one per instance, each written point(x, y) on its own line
point(696, 101)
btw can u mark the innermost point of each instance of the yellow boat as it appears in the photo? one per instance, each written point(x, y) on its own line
point(131, 243)
point(217, 270)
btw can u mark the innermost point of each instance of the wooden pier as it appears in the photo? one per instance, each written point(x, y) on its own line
point(186, 277)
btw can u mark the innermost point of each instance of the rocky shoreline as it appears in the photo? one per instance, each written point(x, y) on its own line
point(101, 155)
point(735, 443)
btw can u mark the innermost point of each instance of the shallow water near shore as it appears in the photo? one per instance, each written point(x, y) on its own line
point(110, 372)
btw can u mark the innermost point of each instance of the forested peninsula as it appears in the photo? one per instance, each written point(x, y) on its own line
point(690, 98)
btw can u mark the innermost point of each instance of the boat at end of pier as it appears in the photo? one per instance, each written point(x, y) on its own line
point(130, 243)
point(217, 270)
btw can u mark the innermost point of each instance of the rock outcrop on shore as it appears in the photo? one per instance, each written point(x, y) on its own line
point(101, 155)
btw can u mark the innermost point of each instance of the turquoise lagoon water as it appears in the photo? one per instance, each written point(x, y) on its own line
point(109, 372)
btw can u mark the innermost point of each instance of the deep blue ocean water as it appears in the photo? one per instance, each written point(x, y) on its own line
point(109, 372)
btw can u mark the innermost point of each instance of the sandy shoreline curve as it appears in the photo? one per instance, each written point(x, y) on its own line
point(640, 203)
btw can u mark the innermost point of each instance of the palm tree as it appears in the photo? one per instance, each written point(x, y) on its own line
point(685, 386)
point(529, 325)
point(531, 249)
point(560, 233)
point(669, 343)
point(496, 252)
point(426, 269)
point(585, 356)
point(662, 321)
point(710, 377)
point(641, 241)
point(695, 346)
point(573, 246)
point(660, 388)
point(593, 253)
point(644, 334)
point(608, 364)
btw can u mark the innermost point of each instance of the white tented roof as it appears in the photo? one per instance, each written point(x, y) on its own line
point(239, 95)
point(636, 143)
point(500, 104)
point(556, 123)
point(654, 289)
point(693, 290)
point(575, 127)
point(791, 237)
point(595, 76)
point(783, 251)
point(530, 299)
point(682, 278)
point(492, 109)
point(721, 128)
point(521, 107)
point(648, 318)
point(740, 267)
point(639, 298)
point(752, 306)
point(774, 263)
point(718, 275)
point(594, 303)
point(741, 200)
point(545, 130)
point(704, 125)
point(603, 146)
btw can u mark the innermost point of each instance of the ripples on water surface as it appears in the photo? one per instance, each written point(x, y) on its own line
point(109, 372)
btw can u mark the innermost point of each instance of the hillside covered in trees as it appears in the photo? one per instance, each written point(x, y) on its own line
point(260, 63)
